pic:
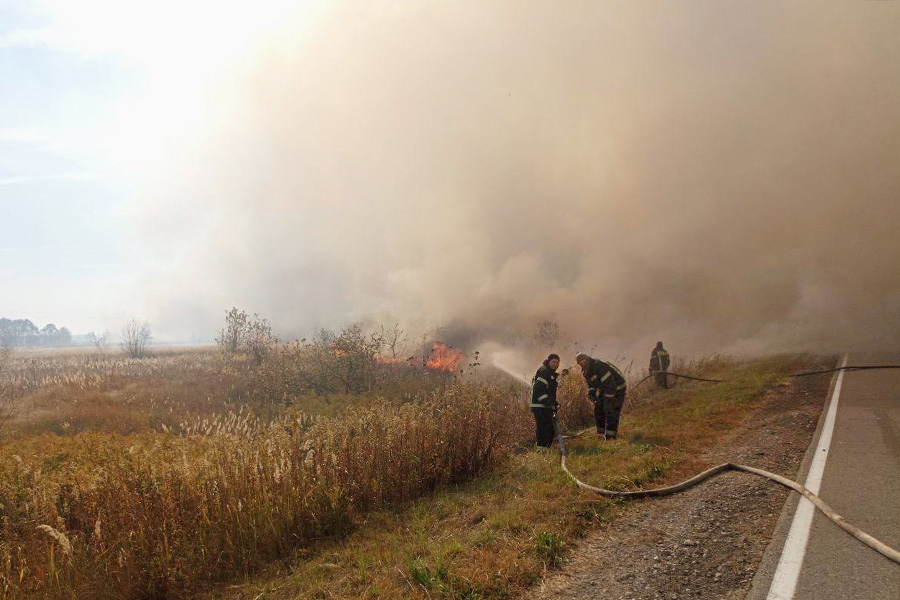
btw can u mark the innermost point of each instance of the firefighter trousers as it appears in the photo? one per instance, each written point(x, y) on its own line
point(607, 412)
point(543, 424)
point(661, 380)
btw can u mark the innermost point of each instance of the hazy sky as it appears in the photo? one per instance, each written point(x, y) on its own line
point(92, 94)
point(722, 174)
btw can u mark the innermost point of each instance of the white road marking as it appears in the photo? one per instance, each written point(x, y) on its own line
point(784, 583)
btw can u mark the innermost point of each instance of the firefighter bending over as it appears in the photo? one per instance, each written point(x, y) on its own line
point(659, 365)
point(543, 400)
point(606, 389)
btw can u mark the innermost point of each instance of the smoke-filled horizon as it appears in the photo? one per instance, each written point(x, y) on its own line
point(719, 175)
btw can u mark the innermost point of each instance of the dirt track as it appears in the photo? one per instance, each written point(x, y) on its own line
point(708, 541)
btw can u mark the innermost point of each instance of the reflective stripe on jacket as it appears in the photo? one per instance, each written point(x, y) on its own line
point(603, 379)
point(543, 388)
point(659, 360)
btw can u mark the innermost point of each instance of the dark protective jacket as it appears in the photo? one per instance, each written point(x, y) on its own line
point(543, 388)
point(603, 379)
point(659, 360)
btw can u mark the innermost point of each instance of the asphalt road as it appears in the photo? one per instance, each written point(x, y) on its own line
point(861, 481)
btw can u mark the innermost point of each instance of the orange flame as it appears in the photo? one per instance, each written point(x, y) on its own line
point(444, 358)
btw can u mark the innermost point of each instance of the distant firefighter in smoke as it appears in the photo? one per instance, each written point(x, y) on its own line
point(543, 400)
point(659, 366)
point(606, 389)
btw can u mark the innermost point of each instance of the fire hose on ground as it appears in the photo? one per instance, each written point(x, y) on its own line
point(820, 504)
point(847, 368)
point(679, 375)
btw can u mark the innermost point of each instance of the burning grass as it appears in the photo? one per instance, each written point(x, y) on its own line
point(159, 476)
point(496, 535)
point(221, 468)
point(77, 390)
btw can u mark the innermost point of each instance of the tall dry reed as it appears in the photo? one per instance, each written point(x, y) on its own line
point(145, 528)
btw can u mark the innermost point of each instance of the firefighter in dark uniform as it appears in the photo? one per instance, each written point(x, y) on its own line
point(659, 366)
point(543, 400)
point(606, 389)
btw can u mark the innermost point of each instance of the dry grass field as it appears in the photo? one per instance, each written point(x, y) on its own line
point(167, 476)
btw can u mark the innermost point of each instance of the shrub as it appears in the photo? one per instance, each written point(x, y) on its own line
point(245, 334)
point(233, 336)
point(135, 338)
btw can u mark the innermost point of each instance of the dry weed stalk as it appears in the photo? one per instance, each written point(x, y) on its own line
point(233, 491)
point(59, 537)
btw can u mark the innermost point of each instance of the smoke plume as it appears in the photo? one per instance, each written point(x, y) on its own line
point(718, 175)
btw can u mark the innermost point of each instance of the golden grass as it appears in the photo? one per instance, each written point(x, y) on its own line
point(494, 536)
point(160, 512)
point(196, 481)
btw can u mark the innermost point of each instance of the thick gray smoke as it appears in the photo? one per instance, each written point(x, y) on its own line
point(722, 175)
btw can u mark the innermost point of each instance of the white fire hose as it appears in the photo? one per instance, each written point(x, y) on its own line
point(856, 532)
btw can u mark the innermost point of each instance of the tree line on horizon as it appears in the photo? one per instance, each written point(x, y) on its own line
point(22, 332)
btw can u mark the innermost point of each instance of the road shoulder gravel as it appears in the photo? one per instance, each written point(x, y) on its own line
point(707, 542)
